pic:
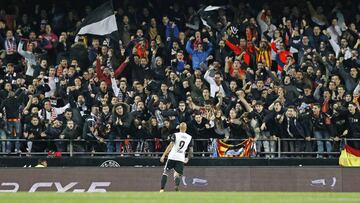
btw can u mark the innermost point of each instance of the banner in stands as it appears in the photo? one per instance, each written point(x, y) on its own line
point(246, 148)
point(350, 157)
point(195, 179)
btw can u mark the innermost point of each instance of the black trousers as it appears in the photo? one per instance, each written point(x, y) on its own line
point(296, 146)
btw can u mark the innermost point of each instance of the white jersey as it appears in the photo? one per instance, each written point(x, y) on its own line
point(181, 143)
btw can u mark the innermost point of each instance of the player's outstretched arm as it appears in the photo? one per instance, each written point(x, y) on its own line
point(167, 151)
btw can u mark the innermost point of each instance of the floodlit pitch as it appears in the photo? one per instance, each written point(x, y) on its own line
point(180, 197)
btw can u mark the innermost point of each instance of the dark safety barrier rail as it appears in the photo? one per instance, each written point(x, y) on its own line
point(71, 152)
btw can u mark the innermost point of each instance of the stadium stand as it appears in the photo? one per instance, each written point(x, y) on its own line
point(265, 80)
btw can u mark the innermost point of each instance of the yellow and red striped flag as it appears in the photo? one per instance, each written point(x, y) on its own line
point(349, 157)
point(244, 149)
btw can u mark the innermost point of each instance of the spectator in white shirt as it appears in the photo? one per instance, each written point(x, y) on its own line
point(215, 82)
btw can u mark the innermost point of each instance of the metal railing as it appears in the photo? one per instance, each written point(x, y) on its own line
point(71, 152)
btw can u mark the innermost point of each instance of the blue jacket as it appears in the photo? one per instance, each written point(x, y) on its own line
point(198, 57)
point(173, 33)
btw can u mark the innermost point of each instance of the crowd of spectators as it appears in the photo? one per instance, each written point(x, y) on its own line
point(264, 70)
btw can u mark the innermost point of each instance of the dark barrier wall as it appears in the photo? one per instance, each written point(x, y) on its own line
point(87, 179)
point(149, 161)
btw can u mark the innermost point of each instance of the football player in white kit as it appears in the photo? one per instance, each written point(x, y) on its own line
point(176, 150)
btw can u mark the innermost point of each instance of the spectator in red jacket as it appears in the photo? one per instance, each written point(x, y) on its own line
point(238, 49)
point(104, 74)
point(281, 54)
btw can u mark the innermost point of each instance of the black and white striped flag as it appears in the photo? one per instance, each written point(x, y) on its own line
point(100, 21)
point(206, 15)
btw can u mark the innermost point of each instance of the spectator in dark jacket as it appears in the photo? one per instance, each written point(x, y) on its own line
point(11, 105)
point(352, 124)
point(72, 132)
point(320, 128)
point(35, 135)
point(294, 129)
point(262, 117)
point(198, 128)
point(53, 131)
point(221, 52)
point(91, 131)
point(121, 126)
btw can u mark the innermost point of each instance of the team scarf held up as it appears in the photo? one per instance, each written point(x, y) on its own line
point(10, 46)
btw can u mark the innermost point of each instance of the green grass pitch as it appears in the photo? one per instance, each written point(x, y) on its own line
point(180, 197)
